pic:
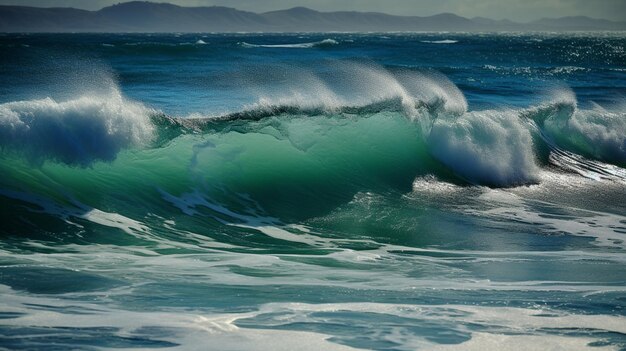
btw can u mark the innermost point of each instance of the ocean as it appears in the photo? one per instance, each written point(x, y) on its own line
point(331, 191)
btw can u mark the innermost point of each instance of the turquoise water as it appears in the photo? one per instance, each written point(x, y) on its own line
point(313, 191)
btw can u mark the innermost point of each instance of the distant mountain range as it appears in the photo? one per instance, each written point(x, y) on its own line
point(143, 16)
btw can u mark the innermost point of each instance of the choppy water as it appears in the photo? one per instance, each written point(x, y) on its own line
point(329, 191)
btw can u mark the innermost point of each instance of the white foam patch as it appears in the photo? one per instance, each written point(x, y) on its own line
point(114, 220)
point(430, 184)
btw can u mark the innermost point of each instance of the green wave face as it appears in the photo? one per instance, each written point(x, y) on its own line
point(295, 165)
point(291, 167)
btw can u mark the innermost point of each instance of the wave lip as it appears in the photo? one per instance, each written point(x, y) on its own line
point(75, 132)
point(321, 43)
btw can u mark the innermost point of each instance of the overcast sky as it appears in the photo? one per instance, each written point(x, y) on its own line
point(518, 10)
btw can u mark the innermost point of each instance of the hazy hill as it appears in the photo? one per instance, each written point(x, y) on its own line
point(143, 16)
point(163, 17)
point(304, 19)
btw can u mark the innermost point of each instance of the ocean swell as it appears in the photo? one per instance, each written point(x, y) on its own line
point(321, 43)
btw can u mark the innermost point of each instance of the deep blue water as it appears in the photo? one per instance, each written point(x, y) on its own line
point(390, 191)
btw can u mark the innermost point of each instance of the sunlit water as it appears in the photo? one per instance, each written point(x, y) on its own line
point(332, 191)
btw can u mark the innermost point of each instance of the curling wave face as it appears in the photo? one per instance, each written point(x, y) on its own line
point(402, 125)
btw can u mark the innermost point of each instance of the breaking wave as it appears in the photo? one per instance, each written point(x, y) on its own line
point(75, 132)
point(596, 133)
point(310, 147)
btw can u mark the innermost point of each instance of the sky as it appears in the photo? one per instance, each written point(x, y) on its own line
point(516, 10)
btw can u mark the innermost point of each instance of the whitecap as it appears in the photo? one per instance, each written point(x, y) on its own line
point(445, 41)
point(322, 43)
